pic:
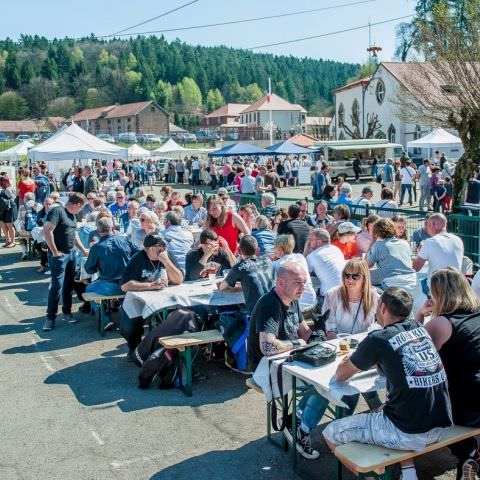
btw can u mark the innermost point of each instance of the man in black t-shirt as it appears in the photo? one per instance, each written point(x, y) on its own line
point(418, 405)
point(209, 258)
point(277, 326)
point(144, 272)
point(296, 227)
point(255, 274)
point(60, 232)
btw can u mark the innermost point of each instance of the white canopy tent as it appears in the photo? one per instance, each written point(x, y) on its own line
point(74, 143)
point(135, 151)
point(172, 149)
point(13, 153)
point(441, 140)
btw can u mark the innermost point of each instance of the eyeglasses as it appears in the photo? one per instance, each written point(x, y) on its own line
point(90, 198)
point(119, 198)
point(352, 276)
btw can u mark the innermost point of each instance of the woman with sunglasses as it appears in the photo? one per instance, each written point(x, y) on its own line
point(455, 330)
point(147, 222)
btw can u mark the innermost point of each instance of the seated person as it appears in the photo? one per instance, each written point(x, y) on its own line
point(194, 212)
point(108, 257)
point(346, 239)
point(277, 326)
point(179, 241)
point(364, 239)
point(255, 274)
point(132, 209)
point(417, 409)
point(283, 252)
point(213, 256)
point(144, 272)
point(150, 201)
point(264, 235)
point(296, 227)
point(147, 222)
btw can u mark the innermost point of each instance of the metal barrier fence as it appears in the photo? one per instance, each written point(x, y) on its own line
point(467, 227)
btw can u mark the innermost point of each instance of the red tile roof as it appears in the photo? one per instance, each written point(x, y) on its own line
point(303, 140)
point(228, 110)
point(92, 113)
point(356, 83)
point(278, 104)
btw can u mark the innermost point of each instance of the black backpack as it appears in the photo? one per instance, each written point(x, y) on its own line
point(157, 362)
point(5, 200)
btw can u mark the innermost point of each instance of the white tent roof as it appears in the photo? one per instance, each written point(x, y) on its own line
point(438, 138)
point(72, 142)
point(135, 151)
point(169, 146)
point(17, 150)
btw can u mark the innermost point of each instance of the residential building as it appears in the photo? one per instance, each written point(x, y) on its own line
point(318, 127)
point(139, 117)
point(228, 114)
point(12, 128)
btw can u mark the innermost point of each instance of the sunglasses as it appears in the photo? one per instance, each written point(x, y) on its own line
point(352, 276)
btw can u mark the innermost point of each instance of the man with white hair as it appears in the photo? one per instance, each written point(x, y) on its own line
point(345, 196)
point(442, 249)
point(269, 209)
point(248, 183)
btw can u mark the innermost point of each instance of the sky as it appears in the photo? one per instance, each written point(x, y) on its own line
point(55, 18)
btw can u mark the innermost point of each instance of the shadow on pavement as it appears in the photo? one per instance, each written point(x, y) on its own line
point(111, 381)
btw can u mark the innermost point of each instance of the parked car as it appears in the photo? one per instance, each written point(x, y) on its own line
point(4, 137)
point(207, 136)
point(187, 138)
point(148, 138)
point(127, 137)
point(106, 137)
point(23, 138)
point(165, 138)
point(46, 135)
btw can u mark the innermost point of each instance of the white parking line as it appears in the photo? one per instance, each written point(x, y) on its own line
point(116, 464)
point(47, 365)
point(97, 438)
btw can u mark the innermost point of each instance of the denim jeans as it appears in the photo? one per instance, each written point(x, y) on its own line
point(63, 274)
point(131, 329)
point(424, 197)
point(195, 177)
point(406, 188)
point(103, 287)
point(312, 407)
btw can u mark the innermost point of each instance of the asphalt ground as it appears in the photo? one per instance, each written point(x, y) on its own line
point(71, 408)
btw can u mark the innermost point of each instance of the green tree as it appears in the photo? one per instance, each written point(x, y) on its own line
point(252, 93)
point(26, 72)
point(93, 98)
point(61, 107)
point(12, 106)
point(37, 94)
point(214, 100)
point(190, 95)
point(49, 69)
point(12, 71)
point(163, 94)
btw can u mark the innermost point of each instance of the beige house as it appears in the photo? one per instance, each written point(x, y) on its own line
point(139, 118)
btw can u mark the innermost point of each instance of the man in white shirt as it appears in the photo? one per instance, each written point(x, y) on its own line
point(248, 182)
point(287, 166)
point(423, 174)
point(442, 249)
point(195, 172)
point(295, 169)
point(408, 175)
point(325, 260)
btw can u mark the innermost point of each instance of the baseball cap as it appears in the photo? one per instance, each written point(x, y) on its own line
point(346, 227)
point(153, 240)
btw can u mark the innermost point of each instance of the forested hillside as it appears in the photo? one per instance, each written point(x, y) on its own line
point(40, 77)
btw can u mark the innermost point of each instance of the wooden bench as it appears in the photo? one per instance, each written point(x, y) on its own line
point(373, 461)
point(183, 343)
point(101, 300)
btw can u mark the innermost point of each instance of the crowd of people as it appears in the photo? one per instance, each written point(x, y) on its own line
point(289, 263)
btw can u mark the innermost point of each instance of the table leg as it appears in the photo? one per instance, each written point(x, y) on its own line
point(338, 464)
point(294, 421)
point(101, 318)
point(187, 357)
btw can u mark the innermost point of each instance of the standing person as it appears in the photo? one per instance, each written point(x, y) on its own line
point(388, 175)
point(295, 169)
point(417, 409)
point(272, 181)
point(455, 330)
point(91, 182)
point(397, 176)
point(180, 170)
point(423, 174)
point(60, 232)
point(408, 175)
point(42, 185)
point(357, 167)
point(296, 227)
point(225, 223)
point(248, 183)
point(151, 172)
point(144, 273)
point(8, 210)
point(226, 171)
point(78, 184)
point(260, 181)
point(25, 185)
point(280, 171)
point(255, 274)
point(287, 168)
point(320, 181)
point(195, 172)
point(212, 170)
point(374, 167)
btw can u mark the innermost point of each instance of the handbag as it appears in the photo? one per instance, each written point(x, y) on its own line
point(317, 355)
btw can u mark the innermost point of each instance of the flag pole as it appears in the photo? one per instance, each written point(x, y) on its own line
point(270, 109)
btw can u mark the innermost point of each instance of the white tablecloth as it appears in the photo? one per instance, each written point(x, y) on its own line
point(201, 292)
point(322, 378)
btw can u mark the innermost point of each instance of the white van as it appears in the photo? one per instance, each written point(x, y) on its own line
point(340, 154)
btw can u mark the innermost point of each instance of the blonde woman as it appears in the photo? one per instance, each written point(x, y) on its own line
point(148, 222)
point(353, 304)
point(455, 331)
point(283, 252)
